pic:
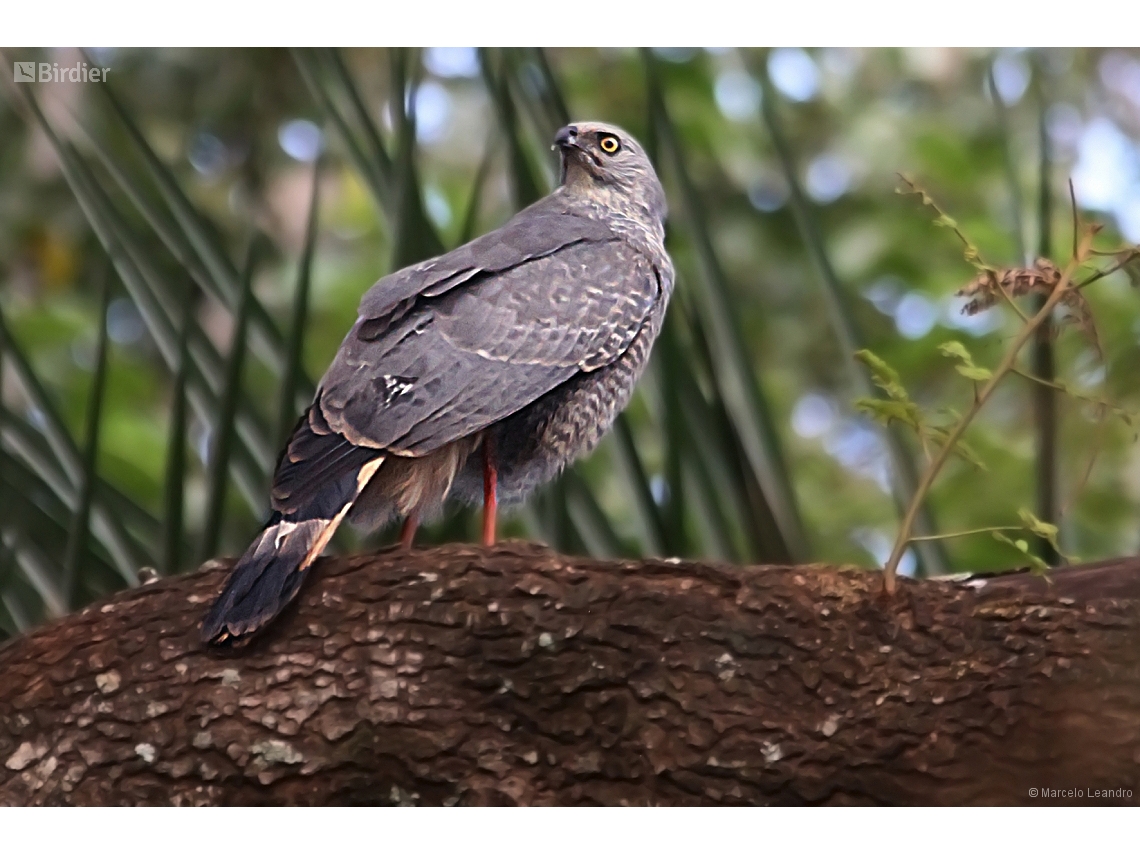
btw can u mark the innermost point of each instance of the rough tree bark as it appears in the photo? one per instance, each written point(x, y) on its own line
point(519, 676)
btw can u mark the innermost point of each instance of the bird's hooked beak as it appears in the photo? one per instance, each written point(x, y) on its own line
point(566, 142)
point(566, 138)
point(567, 145)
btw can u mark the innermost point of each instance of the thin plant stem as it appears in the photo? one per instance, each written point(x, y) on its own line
point(1126, 257)
point(953, 534)
point(1005, 367)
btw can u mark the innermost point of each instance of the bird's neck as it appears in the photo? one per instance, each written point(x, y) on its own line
point(625, 212)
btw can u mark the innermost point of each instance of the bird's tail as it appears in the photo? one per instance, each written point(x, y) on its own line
point(269, 574)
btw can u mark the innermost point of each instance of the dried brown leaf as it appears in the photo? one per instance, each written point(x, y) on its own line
point(987, 288)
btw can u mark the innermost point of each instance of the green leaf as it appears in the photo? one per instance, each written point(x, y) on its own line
point(667, 365)
point(888, 412)
point(1043, 358)
point(471, 215)
point(224, 426)
point(1022, 546)
point(904, 476)
point(174, 480)
point(966, 367)
point(734, 374)
point(157, 302)
point(69, 461)
point(652, 526)
point(1046, 531)
point(969, 250)
point(197, 236)
point(524, 182)
point(1039, 528)
point(415, 236)
point(287, 408)
point(368, 167)
point(883, 375)
point(589, 519)
point(963, 450)
point(556, 101)
point(77, 536)
point(378, 154)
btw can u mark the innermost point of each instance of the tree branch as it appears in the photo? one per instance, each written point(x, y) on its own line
point(516, 675)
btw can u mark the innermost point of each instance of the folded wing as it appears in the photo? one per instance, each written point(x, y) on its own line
point(431, 368)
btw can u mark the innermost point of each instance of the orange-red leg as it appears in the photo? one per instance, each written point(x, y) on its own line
point(490, 484)
point(408, 530)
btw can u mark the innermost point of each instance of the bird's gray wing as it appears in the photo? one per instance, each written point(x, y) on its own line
point(534, 232)
point(452, 364)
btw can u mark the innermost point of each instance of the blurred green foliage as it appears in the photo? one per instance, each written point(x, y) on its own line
point(148, 225)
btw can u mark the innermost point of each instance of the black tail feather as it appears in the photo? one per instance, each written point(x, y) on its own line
point(264, 581)
point(269, 575)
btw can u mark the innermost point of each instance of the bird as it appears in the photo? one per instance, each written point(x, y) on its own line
point(473, 376)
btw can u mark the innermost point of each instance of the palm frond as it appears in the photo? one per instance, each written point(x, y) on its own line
point(733, 373)
point(904, 476)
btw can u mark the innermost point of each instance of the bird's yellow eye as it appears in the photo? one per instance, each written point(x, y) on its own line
point(609, 144)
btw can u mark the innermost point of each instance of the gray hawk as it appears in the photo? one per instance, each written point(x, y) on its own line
point(476, 375)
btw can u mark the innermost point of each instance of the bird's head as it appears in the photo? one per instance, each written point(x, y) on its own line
point(609, 166)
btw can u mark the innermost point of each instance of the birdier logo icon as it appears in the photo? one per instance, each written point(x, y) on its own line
point(53, 72)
